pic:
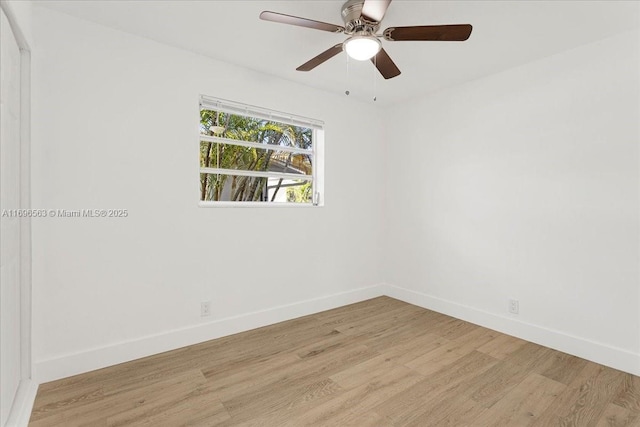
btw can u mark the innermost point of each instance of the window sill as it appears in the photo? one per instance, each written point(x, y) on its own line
point(256, 205)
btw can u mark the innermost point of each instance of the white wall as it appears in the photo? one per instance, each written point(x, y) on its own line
point(115, 126)
point(525, 185)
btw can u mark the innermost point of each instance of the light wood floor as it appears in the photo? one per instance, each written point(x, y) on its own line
point(381, 362)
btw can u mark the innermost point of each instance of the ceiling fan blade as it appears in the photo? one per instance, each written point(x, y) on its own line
point(385, 65)
point(456, 33)
point(374, 10)
point(300, 22)
point(324, 56)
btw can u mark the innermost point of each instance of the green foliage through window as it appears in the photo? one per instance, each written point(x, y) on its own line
point(274, 156)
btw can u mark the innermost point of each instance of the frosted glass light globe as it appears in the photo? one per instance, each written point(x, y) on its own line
point(362, 48)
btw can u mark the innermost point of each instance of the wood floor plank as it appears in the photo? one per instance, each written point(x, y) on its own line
point(384, 382)
point(288, 385)
point(452, 351)
point(353, 312)
point(279, 405)
point(381, 322)
point(437, 359)
point(583, 402)
point(334, 340)
point(402, 333)
point(617, 416)
point(532, 357)
point(524, 404)
point(449, 407)
point(629, 396)
point(564, 367)
point(411, 350)
point(455, 328)
point(593, 397)
point(149, 396)
point(369, 419)
point(194, 409)
point(227, 350)
point(46, 403)
point(407, 406)
point(379, 363)
point(239, 380)
point(502, 346)
point(496, 382)
point(362, 373)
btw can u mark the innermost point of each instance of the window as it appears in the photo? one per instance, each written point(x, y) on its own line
point(253, 156)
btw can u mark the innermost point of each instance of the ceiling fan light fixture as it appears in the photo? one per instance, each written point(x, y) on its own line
point(362, 48)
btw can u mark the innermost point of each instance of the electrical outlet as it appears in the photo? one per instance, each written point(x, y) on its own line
point(205, 308)
point(514, 306)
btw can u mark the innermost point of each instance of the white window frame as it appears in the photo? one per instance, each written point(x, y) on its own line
point(317, 152)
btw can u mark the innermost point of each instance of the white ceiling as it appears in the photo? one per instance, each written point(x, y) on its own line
point(505, 34)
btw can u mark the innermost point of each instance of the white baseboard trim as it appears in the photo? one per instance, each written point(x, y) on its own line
point(78, 363)
point(604, 354)
point(23, 404)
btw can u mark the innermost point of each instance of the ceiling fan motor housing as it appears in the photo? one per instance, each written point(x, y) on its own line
point(353, 20)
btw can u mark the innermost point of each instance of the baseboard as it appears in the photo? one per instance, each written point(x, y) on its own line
point(23, 404)
point(604, 354)
point(78, 363)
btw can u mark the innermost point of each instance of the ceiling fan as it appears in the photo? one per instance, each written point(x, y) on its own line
point(361, 21)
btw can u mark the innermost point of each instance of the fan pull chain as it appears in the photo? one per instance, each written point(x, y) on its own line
point(346, 92)
point(375, 81)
